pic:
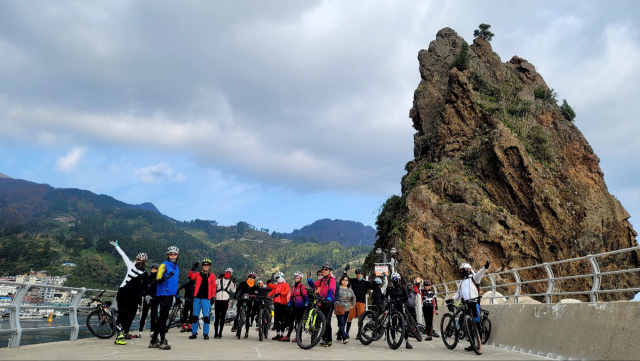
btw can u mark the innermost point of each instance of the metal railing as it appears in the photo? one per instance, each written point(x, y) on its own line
point(596, 276)
point(17, 304)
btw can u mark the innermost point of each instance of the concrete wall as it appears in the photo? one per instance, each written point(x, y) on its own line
point(563, 331)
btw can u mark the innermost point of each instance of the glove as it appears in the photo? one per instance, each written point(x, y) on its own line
point(306, 304)
point(348, 267)
point(233, 279)
point(486, 265)
point(330, 298)
point(195, 266)
point(115, 244)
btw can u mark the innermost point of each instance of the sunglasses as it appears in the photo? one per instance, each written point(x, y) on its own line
point(325, 269)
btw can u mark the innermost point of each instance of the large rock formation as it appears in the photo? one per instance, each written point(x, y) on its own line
point(500, 173)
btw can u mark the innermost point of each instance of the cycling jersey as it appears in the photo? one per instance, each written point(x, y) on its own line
point(132, 271)
point(280, 292)
point(429, 299)
point(397, 293)
point(167, 286)
point(468, 288)
point(223, 288)
point(327, 286)
point(299, 295)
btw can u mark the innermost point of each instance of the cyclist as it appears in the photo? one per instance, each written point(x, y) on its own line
point(167, 279)
point(411, 300)
point(360, 287)
point(298, 300)
point(377, 295)
point(205, 290)
point(345, 299)
point(429, 307)
point(326, 287)
point(189, 289)
point(224, 285)
point(150, 303)
point(249, 288)
point(397, 293)
point(468, 290)
point(129, 296)
point(280, 294)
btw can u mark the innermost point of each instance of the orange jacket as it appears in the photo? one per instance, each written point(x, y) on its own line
point(280, 289)
point(211, 284)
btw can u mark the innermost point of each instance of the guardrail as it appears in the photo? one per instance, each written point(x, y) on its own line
point(17, 304)
point(550, 280)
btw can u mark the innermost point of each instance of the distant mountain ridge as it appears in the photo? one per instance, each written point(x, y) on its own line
point(2, 175)
point(343, 232)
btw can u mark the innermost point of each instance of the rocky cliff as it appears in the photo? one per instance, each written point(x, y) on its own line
point(500, 173)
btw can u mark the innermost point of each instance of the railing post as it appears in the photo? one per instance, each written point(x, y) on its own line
point(14, 318)
point(446, 291)
point(73, 315)
point(550, 283)
point(517, 293)
point(596, 278)
point(493, 288)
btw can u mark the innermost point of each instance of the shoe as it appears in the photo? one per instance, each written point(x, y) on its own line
point(321, 343)
point(120, 340)
point(184, 329)
point(154, 344)
point(128, 336)
point(233, 330)
point(165, 345)
point(339, 339)
point(193, 336)
point(285, 339)
point(327, 344)
point(408, 346)
point(345, 341)
point(358, 337)
point(468, 348)
point(429, 338)
point(246, 336)
point(294, 340)
point(276, 337)
point(205, 336)
point(435, 334)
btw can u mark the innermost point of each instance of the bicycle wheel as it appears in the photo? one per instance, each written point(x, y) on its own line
point(486, 330)
point(241, 321)
point(310, 329)
point(171, 322)
point(381, 326)
point(395, 330)
point(412, 328)
point(474, 335)
point(100, 324)
point(267, 321)
point(367, 327)
point(448, 331)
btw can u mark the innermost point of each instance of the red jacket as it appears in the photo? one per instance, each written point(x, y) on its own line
point(196, 276)
point(282, 289)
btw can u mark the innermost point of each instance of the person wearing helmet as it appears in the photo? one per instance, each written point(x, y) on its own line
point(280, 294)
point(360, 287)
point(397, 293)
point(129, 296)
point(429, 307)
point(326, 287)
point(250, 288)
point(205, 290)
point(224, 285)
point(379, 288)
point(167, 280)
point(298, 300)
point(468, 290)
point(149, 301)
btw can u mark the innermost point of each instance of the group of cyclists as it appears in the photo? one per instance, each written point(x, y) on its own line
point(346, 299)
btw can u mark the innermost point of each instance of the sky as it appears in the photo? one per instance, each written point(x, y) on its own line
point(279, 113)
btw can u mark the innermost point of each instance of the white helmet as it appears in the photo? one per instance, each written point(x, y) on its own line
point(465, 265)
point(278, 275)
point(173, 249)
point(378, 280)
point(297, 274)
point(230, 270)
point(395, 276)
point(141, 256)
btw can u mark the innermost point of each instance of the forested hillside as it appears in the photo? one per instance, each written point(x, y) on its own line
point(344, 232)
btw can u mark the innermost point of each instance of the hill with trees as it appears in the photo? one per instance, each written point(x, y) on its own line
point(343, 232)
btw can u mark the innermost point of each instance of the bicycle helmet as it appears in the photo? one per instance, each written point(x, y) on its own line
point(297, 274)
point(427, 283)
point(260, 282)
point(155, 266)
point(141, 257)
point(278, 275)
point(465, 265)
point(328, 266)
point(230, 270)
point(378, 281)
point(395, 276)
point(173, 249)
point(252, 275)
point(206, 261)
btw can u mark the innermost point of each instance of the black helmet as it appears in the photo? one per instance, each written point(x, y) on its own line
point(328, 266)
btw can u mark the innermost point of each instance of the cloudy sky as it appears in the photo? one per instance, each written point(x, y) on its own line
point(279, 113)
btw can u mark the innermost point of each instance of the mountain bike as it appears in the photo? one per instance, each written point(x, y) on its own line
point(411, 324)
point(101, 322)
point(174, 313)
point(264, 317)
point(311, 327)
point(485, 324)
point(243, 313)
point(450, 327)
point(372, 325)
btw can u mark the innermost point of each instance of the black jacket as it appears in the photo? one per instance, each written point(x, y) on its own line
point(397, 293)
point(189, 289)
point(360, 288)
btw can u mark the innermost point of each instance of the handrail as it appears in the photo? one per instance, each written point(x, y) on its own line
point(16, 330)
point(551, 279)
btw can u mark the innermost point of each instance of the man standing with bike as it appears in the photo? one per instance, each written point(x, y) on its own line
point(360, 288)
point(469, 290)
point(398, 294)
point(167, 279)
point(224, 285)
point(129, 295)
point(250, 289)
point(326, 287)
point(205, 290)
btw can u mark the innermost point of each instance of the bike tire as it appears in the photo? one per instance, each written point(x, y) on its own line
point(395, 330)
point(367, 327)
point(312, 325)
point(486, 330)
point(171, 322)
point(448, 331)
point(267, 325)
point(100, 324)
point(241, 321)
point(474, 334)
point(413, 329)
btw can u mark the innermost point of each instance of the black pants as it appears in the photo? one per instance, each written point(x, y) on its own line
point(187, 312)
point(428, 318)
point(146, 307)
point(127, 308)
point(220, 311)
point(412, 312)
point(327, 311)
point(161, 324)
point(294, 318)
point(280, 317)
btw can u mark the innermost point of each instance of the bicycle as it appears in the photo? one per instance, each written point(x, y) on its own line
point(412, 326)
point(174, 313)
point(391, 322)
point(101, 322)
point(312, 325)
point(367, 324)
point(242, 314)
point(485, 325)
point(449, 327)
point(264, 317)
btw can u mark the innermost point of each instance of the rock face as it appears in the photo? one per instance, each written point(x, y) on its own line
point(500, 173)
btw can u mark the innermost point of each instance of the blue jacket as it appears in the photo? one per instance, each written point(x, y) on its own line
point(168, 287)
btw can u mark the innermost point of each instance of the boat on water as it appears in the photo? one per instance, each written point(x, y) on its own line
point(29, 315)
